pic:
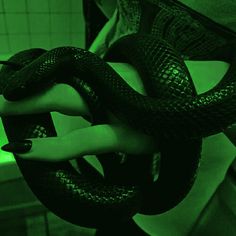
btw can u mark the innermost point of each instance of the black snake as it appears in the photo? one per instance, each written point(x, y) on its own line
point(172, 113)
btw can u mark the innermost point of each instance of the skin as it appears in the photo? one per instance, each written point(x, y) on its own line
point(111, 137)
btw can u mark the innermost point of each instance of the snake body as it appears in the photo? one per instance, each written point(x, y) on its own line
point(172, 112)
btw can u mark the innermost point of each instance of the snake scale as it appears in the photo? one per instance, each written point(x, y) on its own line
point(172, 113)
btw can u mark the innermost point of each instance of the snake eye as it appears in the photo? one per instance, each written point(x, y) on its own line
point(14, 65)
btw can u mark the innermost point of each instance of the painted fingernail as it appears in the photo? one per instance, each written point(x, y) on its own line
point(21, 146)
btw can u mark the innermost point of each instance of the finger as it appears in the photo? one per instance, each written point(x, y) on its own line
point(87, 141)
point(60, 97)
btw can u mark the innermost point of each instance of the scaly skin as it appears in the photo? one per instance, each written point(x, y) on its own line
point(172, 113)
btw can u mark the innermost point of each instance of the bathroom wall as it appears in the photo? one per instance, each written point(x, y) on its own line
point(26, 24)
point(45, 23)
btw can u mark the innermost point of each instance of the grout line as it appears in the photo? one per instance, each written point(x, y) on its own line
point(28, 23)
point(50, 24)
point(70, 22)
point(38, 33)
point(20, 206)
point(8, 181)
point(47, 230)
point(6, 28)
point(2, 7)
point(44, 12)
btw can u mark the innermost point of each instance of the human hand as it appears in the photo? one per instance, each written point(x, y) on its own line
point(112, 137)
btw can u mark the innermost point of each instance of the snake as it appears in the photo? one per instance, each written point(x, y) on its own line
point(171, 112)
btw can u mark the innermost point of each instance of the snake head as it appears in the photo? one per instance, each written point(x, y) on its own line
point(11, 69)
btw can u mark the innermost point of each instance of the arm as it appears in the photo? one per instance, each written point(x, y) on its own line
point(97, 139)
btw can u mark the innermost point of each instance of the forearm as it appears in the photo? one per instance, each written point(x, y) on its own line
point(95, 140)
point(205, 74)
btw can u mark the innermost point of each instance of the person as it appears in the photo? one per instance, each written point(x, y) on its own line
point(114, 136)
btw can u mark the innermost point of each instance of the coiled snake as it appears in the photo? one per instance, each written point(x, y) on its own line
point(172, 113)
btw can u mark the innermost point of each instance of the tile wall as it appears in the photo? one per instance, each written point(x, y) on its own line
point(45, 23)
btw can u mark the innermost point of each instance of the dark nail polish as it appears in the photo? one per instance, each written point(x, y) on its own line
point(21, 146)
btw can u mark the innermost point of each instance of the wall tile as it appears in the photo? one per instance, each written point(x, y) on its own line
point(39, 23)
point(2, 24)
point(14, 6)
point(38, 6)
point(59, 6)
point(60, 23)
point(77, 6)
point(1, 6)
point(19, 42)
point(35, 225)
point(78, 40)
point(16, 23)
point(77, 23)
point(59, 227)
point(40, 41)
point(3, 44)
point(59, 40)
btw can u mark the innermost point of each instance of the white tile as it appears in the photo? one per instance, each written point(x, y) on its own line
point(40, 41)
point(39, 23)
point(59, 40)
point(38, 6)
point(60, 23)
point(1, 6)
point(77, 23)
point(16, 23)
point(78, 40)
point(14, 5)
point(2, 24)
point(60, 6)
point(19, 42)
point(77, 6)
point(4, 44)
point(35, 225)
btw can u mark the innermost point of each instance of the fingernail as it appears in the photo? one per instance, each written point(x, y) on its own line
point(21, 146)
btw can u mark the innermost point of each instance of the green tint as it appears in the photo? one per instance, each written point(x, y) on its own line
point(46, 24)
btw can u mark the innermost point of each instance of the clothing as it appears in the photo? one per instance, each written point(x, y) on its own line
point(168, 19)
point(221, 11)
point(91, 12)
point(195, 36)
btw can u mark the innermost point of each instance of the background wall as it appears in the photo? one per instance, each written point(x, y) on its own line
point(45, 23)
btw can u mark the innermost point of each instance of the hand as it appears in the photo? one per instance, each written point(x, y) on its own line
point(101, 138)
point(91, 140)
